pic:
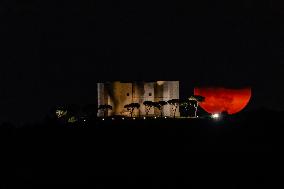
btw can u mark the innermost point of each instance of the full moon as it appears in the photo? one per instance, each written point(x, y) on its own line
point(218, 99)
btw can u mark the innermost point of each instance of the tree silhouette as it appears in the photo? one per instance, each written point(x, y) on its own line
point(184, 104)
point(194, 101)
point(73, 109)
point(174, 104)
point(199, 98)
point(159, 105)
point(148, 105)
point(105, 109)
point(90, 110)
point(131, 107)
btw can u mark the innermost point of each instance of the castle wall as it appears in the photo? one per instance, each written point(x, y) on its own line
point(122, 95)
point(118, 94)
point(101, 97)
point(167, 96)
point(171, 91)
point(148, 96)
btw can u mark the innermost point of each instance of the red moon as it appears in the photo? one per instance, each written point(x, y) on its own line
point(218, 99)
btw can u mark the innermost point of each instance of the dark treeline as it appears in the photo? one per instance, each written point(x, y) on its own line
point(258, 128)
point(93, 152)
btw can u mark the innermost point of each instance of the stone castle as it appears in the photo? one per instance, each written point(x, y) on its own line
point(118, 94)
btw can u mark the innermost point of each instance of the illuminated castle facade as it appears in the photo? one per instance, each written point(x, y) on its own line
point(118, 94)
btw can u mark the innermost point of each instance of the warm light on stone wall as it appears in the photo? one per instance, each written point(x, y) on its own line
point(120, 94)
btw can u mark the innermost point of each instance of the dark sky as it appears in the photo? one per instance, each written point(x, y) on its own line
point(55, 51)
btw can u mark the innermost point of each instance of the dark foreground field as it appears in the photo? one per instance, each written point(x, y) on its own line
point(108, 154)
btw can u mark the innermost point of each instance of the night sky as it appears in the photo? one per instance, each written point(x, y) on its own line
point(55, 51)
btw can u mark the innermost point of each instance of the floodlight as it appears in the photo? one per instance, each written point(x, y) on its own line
point(215, 116)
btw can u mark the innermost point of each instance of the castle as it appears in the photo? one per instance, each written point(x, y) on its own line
point(118, 94)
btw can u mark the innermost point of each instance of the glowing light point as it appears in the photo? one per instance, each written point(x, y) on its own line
point(122, 118)
point(144, 117)
point(134, 118)
point(155, 117)
point(103, 119)
point(215, 116)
